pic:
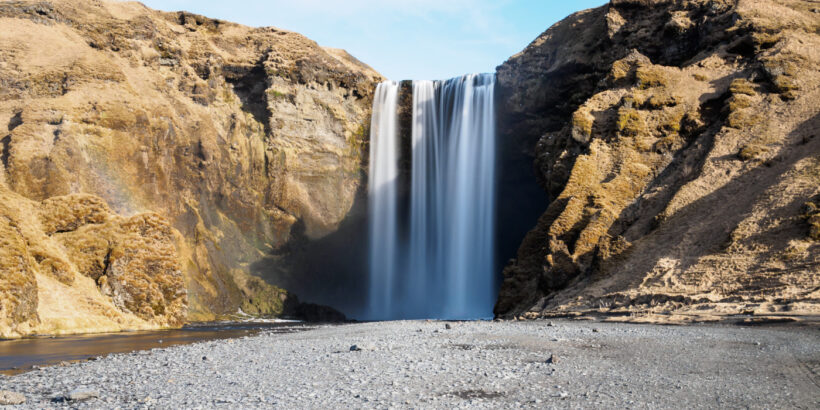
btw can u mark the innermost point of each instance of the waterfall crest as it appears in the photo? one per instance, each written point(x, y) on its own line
point(441, 266)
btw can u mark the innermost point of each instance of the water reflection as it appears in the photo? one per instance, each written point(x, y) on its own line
point(17, 356)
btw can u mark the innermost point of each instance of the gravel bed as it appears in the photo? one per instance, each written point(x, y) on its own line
point(422, 364)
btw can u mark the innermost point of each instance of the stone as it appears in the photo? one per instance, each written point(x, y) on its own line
point(614, 135)
point(239, 149)
point(447, 326)
point(8, 398)
point(81, 394)
point(553, 359)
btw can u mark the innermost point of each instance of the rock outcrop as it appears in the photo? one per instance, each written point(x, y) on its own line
point(242, 139)
point(70, 264)
point(678, 143)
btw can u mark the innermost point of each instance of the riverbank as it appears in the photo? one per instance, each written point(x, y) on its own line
point(23, 355)
point(471, 364)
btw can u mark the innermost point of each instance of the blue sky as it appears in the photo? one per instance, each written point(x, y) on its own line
point(402, 39)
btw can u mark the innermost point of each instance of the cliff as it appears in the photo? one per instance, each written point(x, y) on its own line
point(678, 144)
point(203, 146)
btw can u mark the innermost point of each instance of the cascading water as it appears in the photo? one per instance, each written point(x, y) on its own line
point(443, 265)
point(383, 190)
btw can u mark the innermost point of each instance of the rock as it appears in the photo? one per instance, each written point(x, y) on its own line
point(594, 330)
point(313, 313)
point(553, 359)
point(625, 75)
point(246, 147)
point(81, 394)
point(362, 347)
point(550, 324)
point(11, 398)
point(447, 326)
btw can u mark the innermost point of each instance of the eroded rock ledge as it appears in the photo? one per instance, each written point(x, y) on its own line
point(678, 143)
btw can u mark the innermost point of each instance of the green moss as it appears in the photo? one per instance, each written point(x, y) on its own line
point(263, 299)
point(275, 95)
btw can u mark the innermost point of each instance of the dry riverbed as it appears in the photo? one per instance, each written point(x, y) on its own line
point(422, 364)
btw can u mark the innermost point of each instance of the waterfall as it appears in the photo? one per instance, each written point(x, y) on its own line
point(383, 190)
point(441, 266)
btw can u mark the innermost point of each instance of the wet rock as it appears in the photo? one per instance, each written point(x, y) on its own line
point(313, 313)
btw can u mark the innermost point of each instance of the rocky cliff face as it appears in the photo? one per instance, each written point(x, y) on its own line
point(240, 138)
point(678, 143)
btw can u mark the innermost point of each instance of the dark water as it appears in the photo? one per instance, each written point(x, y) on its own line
point(17, 356)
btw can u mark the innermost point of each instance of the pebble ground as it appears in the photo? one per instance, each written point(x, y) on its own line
point(421, 364)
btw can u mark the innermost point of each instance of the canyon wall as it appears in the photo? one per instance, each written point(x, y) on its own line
point(205, 150)
point(678, 144)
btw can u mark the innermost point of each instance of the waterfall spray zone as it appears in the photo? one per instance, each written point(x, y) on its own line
point(431, 255)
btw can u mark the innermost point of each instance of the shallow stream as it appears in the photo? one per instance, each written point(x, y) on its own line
point(21, 355)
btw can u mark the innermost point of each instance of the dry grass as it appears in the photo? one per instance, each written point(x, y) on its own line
point(67, 213)
point(131, 266)
point(649, 76)
point(742, 86)
point(811, 214)
point(743, 119)
point(582, 122)
point(631, 123)
point(752, 152)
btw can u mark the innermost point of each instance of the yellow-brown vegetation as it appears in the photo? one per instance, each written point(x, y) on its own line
point(811, 214)
point(752, 152)
point(649, 76)
point(70, 265)
point(742, 86)
point(681, 231)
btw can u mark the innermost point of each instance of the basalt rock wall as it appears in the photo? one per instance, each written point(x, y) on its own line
point(239, 140)
point(678, 144)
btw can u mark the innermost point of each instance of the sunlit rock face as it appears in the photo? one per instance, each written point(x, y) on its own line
point(242, 139)
point(677, 142)
point(69, 264)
